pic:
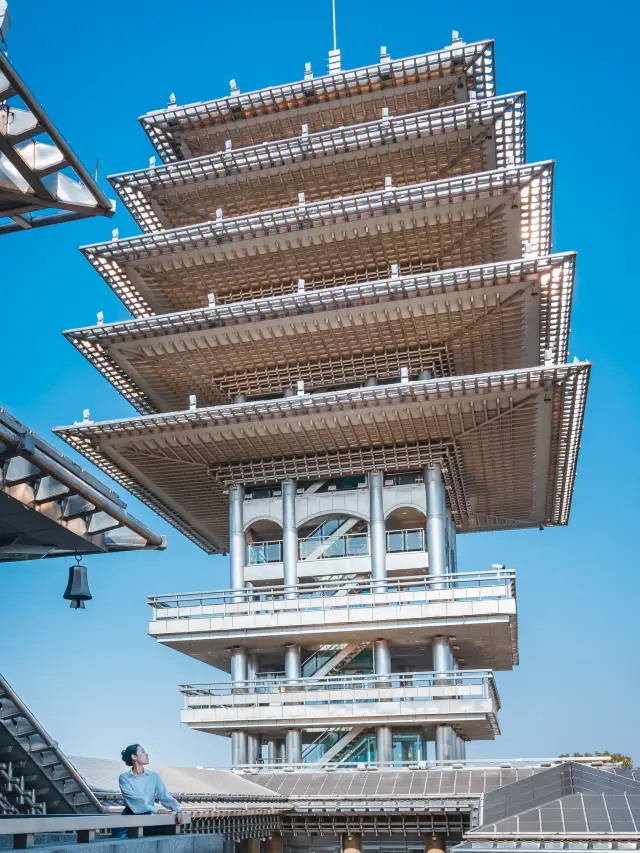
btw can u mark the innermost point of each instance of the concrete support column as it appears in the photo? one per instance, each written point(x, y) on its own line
point(253, 667)
point(381, 657)
point(289, 538)
point(435, 842)
point(444, 743)
point(352, 842)
point(442, 657)
point(238, 748)
point(436, 521)
point(275, 844)
point(294, 746)
point(442, 664)
point(236, 536)
point(253, 748)
point(384, 744)
point(377, 531)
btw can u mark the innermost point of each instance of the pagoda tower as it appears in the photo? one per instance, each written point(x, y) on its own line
point(348, 346)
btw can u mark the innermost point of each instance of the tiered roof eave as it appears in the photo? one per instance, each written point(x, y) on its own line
point(139, 356)
point(166, 128)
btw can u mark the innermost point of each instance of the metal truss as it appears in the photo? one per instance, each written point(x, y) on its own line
point(457, 73)
point(454, 140)
point(62, 509)
point(485, 427)
point(462, 221)
point(42, 182)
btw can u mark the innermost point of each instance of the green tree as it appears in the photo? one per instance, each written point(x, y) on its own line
point(625, 761)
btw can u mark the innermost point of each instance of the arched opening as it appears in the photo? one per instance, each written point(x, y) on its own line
point(405, 527)
point(332, 535)
point(263, 539)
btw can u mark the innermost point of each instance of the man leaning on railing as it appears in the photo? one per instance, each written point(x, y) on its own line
point(141, 788)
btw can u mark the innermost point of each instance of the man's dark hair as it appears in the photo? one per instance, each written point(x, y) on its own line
point(128, 753)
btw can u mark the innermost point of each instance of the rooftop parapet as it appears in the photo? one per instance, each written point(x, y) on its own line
point(474, 219)
point(456, 73)
point(451, 322)
point(453, 140)
point(508, 442)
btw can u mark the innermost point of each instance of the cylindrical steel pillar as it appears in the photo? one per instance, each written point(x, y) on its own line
point(282, 750)
point(253, 749)
point(275, 844)
point(435, 842)
point(352, 842)
point(377, 532)
point(236, 536)
point(272, 751)
point(441, 654)
point(444, 743)
point(238, 667)
point(381, 657)
point(452, 556)
point(253, 668)
point(289, 538)
point(384, 744)
point(436, 520)
point(294, 746)
point(238, 748)
point(292, 664)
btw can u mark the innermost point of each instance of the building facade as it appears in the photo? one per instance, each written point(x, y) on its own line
point(349, 345)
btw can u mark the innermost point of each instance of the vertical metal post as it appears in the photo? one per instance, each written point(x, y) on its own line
point(294, 746)
point(238, 748)
point(352, 842)
point(384, 745)
point(452, 555)
point(377, 532)
point(381, 658)
point(292, 663)
point(282, 749)
point(289, 538)
point(272, 751)
point(236, 536)
point(436, 521)
point(253, 667)
point(239, 669)
point(435, 842)
point(441, 654)
point(444, 743)
point(442, 664)
point(253, 748)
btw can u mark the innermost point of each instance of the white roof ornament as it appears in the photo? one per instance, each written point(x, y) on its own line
point(211, 297)
point(115, 233)
point(172, 99)
point(300, 388)
point(308, 73)
point(100, 316)
point(234, 90)
point(192, 403)
point(335, 63)
point(455, 38)
point(300, 285)
point(548, 356)
point(86, 416)
point(152, 162)
point(384, 56)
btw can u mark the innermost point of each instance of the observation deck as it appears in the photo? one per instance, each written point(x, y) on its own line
point(467, 699)
point(479, 608)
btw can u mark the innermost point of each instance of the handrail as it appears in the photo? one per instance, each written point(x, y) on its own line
point(244, 690)
point(23, 828)
point(347, 545)
point(356, 586)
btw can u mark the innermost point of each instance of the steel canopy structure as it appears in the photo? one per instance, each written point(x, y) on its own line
point(42, 182)
point(50, 507)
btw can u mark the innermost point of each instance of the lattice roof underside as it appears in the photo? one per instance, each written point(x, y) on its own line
point(458, 322)
point(456, 140)
point(50, 507)
point(507, 441)
point(464, 221)
point(41, 180)
point(457, 73)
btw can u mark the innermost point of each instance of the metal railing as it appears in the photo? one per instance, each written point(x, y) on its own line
point(344, 689)
point(24, 828)
point(335, 594)
point(349, 545)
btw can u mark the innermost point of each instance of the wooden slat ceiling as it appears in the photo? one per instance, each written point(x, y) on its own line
point(508, 443)
point(460, 222)
point(458, 73)
point(492, 318)
point(461, 139)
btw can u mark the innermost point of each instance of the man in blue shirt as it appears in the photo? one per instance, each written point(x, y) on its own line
point(141, 788)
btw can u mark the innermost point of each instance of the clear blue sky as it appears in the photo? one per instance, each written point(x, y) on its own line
point(94, 678)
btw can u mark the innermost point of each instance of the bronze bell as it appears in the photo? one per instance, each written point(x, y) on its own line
point(77, 591)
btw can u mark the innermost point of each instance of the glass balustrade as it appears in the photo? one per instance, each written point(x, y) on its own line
point(332, 547)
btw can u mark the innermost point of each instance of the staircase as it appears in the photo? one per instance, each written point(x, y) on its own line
point(35, 776)
point(340, 655)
